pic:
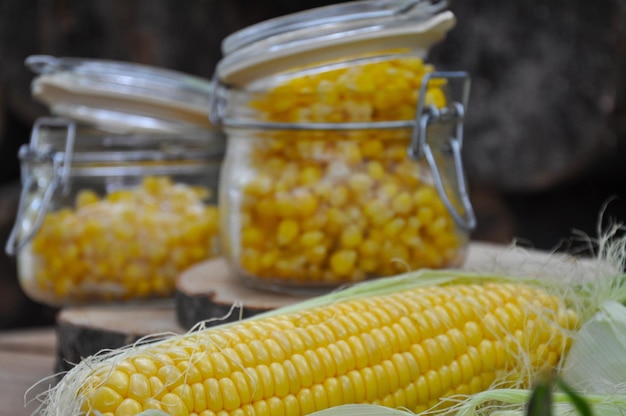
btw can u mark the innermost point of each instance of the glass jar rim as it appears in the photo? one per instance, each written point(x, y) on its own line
point(84, 145)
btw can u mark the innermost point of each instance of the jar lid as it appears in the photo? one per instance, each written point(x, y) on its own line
point(118, 96)
point(327, 33)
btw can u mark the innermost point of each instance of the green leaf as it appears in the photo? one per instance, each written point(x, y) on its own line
point(595, 362)
point(540, 402)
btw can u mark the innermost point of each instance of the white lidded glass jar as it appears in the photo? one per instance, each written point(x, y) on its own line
point(343, 160)
point(119, 187)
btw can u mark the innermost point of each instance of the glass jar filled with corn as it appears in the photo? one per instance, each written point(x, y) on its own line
point(343, 157)
point(115, 202)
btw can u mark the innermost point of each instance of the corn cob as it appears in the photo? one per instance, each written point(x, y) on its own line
point(409, 348)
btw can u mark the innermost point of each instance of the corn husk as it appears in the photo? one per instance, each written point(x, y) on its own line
point(596, 362)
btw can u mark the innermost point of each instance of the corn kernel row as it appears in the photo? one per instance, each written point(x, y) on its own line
point(338, 206)
point(130, 244)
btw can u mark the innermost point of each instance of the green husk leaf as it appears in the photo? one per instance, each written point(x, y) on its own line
point(596, 362)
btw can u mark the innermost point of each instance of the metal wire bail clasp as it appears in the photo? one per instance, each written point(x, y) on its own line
point(429, 115)
point(43, 171)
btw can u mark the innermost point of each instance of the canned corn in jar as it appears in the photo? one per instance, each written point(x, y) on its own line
point(110, 217)
point(343, 157)
point(115, 202)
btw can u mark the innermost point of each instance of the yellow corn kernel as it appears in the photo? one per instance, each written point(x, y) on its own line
point(351, 237)
point(311, 238)
point(402, 203)
point(106, 399)
point(360, 183)
point(122, 196)
point(338, 196)
point(336, 220)
point(259, 186)
point(119, 381)
point(252, 237)
point(174, 405)
point(342, 262)
point(350, 150)
point(317, 254)
point(139, 387)
point(425, 196)
point(307, 203)
point(425, 215)
point(288, 230)
point(128, 407)
point(363, 82)
point(85, 198)
point(145, 365)
point(372, 149)
point(267, 259)
point(435, 97)
point(310, 175)
point(377, 212)
point(285, 206)
point(375, 170)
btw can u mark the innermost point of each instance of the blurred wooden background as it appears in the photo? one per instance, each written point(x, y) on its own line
point(546, 129)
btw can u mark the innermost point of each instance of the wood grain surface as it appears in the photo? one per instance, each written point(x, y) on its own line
point(27, 359)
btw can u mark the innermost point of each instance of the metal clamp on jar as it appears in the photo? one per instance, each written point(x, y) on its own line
point(118, 197)
point(343, 160)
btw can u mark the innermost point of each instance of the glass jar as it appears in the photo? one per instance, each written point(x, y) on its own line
point(343, 160)
point(115, 202)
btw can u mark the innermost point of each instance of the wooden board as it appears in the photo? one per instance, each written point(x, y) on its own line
point(210, 289)
point(83, 331)
point(26, 368)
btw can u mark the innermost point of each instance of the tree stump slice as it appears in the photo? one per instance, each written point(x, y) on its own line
point(84, 331)
point(209, 289)
point(517, 260)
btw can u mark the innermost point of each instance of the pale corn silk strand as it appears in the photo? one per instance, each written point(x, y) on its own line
point(63, 399)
